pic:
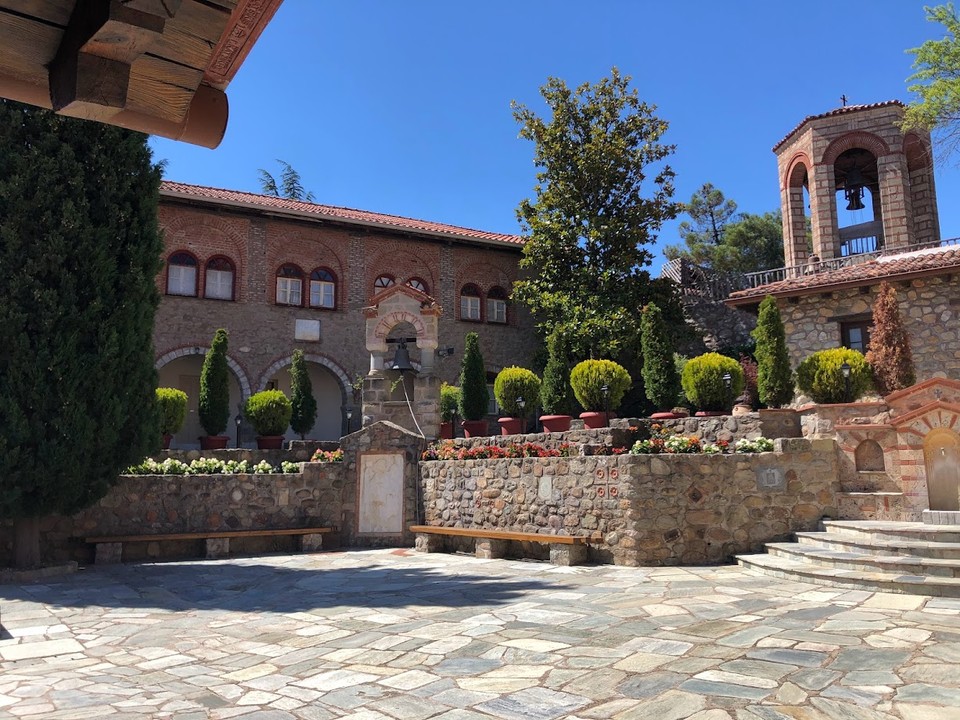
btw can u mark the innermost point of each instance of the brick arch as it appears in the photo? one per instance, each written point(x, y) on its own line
point(237, 369)
point(402, 262)
point(484, 275)
point(206, 237)
point(858, 139)
point(346, 384)
point(321, 252)
point(790, 178)
point(918, 152)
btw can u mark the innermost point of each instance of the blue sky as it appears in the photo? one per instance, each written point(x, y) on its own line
point(404, 107)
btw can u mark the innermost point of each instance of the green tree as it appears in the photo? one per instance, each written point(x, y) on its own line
point(660, 379)
point(474, 395)
point(590, 224)
point(304, 404)
point(709, 212)
point(290, 186)
point(213, 405)
point(774, 376)
point(937, 80)
point(889, 353)
point(79, 254)
point(556, 395)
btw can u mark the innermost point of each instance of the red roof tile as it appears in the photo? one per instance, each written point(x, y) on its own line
point(836, 111)
point(888, 267)
point(330, 212)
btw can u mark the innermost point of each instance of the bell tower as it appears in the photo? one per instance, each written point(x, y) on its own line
point(852, 182)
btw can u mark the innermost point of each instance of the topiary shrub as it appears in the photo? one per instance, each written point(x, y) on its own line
point(704, 385)
point(449, 401)
point(214, 400)
point(660, 380)
point(269, 412)
point(588, 379)
point(474, 396)
point(774, 377)
point(172, 407)
point(513, 383)
point(820, 376)
point(302, 402)
point(749, 395)
point(889, 352)
point(556, 395)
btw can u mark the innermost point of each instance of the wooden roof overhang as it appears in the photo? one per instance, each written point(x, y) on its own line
point(157, 66)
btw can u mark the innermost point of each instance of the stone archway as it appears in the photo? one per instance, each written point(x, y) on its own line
point(941, 456)
point(331, 389)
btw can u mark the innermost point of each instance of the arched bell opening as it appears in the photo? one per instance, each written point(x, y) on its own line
point(859, 214)
point(797, 241)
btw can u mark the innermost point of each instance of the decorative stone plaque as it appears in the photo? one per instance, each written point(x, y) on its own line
point(772, 478)
point(307, 330)
point(381, 493)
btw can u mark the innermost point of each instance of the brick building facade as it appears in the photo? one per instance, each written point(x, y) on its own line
point(281, 275)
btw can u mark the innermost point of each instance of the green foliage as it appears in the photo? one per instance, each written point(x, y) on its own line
point(710, 211)
point(513, 383)
point(449, 401)
point(474, 395)
point(269, 412)
point(79, 255)
point(774, 376)
point(820, 376)
point(290, 186)
point(556, 395)
point(588, 379)
point(889, 352)
point(936, 79)
point(214, 401)
point(303, 403)
point(704, 385)
point(660, 378)
point(172, 406)
point(591, 224)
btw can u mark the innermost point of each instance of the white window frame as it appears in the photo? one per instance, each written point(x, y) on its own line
point(323, 294)
point(497, 310)
point(182, 280)
point(218, 284)
point(289, 290)
point(470, 307)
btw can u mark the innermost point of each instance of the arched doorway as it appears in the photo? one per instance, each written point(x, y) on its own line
point(327, 391)
point(941, 455)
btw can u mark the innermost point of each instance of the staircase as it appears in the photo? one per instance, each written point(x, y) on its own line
point(902, 557)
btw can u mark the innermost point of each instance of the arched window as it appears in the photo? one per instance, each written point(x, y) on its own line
point(382, 282)
point(182, 274)
point(289, 285)
point(323, 289)
point(497, 305)
point(218, 281)
point(470, 303)
point(418, 284)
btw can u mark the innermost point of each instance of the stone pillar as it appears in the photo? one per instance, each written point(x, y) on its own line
point(217, 548)
point(895, 200)
point(561, 554)
point(489, 549)
point(313, 542)
point(429, 543)
point(823, 211)
point(108, 553)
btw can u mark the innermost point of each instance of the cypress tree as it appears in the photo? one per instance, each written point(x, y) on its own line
point(79, 255)
point(304, 405)
point(474, 395)
point(774, 376)
point(889, 352)
point(213, 405)
point(556, 395)
point(660, 379)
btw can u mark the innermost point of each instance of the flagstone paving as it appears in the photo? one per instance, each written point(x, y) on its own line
point(391, 634)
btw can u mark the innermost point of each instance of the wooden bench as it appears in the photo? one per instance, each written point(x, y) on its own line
point(564, 549)
point(110, 548)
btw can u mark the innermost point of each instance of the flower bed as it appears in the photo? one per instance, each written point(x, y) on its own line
point(210, 466)
point(327, 456)
point(666, 440)
point(447, 450)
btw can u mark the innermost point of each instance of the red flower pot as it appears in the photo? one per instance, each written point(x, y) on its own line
point(593, 420)
point(510, 426)
point(213, 442)
point(165, 441)
point(270, 442)
point(475, 428)
point(446, 431)
point(555, 423)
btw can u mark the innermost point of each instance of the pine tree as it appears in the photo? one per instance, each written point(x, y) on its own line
point(774, 376)
point(474, 394)
point(304, 413)
point(889, 352)
point(660, 379)
point(79, 254)
point(214, 402)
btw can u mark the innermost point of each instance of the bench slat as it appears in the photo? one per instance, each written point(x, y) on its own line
point(501, 535)
point(205, 535)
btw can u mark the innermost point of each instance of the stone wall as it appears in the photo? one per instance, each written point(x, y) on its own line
point(644, 509)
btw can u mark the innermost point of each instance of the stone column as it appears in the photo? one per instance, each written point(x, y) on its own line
point(895, 200)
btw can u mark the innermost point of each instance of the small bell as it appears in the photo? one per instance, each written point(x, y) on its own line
point(401, 360)
point(853, 190)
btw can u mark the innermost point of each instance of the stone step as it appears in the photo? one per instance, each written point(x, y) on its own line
point(880, 545)
point(790, 569)
point(896, 564)
point(882, 529)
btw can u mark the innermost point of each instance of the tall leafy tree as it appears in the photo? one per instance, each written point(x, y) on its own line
point(595, 213)
point(889, 353)
point(289, 187)
point(79, 254)
point(774, 376)
point(304, 404)
point(709, 212)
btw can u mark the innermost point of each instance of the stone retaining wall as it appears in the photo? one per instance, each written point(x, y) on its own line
point(644, 509)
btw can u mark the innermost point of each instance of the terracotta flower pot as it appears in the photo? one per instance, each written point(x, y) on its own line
point(710, 413)
point(165, 440)
point(593, 420)
point(475, 428)
point(270, 442)
point(446, 430)
point(555, 423)
point(213, 442)
point(511, 426)
point(664, 416)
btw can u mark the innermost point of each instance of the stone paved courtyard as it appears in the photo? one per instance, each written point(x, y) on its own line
point(375, 635)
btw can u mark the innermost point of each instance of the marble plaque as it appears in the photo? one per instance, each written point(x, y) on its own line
point(381, 493)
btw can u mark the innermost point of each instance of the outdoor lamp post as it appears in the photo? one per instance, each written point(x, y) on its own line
point(239, 420)
point(728, 382)
point(605, 389)
point(349, 417)
point(521, 403)
point(845, 370)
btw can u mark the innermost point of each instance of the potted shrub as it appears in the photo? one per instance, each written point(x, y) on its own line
point(214, 400)
point(303, 404)
point(705, 384)
point(172, 407)
point(269, 412)
point(821, 376)
point(599, 386)
point(516, 389)
point(449, 400)
point(556, 395)
point(660, 379)
point(474, 396)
